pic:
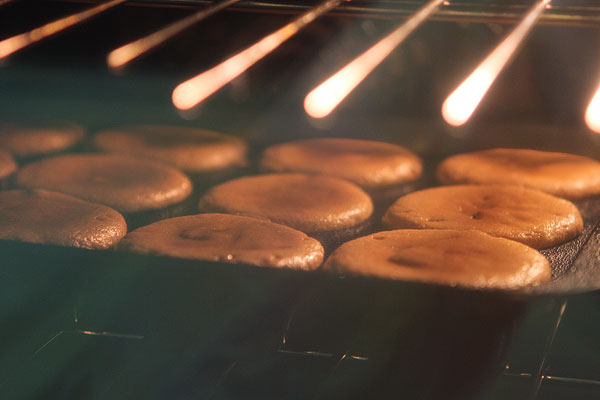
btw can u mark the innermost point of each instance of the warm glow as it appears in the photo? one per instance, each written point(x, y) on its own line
point(460, 104)
point(3, 2)
point(18, 42)
point(124, 54)
point(322, 100)
point(592, 114)
point(193, 91)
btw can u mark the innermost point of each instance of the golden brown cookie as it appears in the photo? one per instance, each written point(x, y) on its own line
point(526, 215)
point(367, 163)
point(564, 175)
point(227, 238)
point(463, 258)
point(7, 164)
point(126, 183)
point(40, 216)
point(190, 149)
point(34, 140)
point(310, 203)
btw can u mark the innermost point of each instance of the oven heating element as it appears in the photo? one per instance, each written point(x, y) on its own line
point(321, 101)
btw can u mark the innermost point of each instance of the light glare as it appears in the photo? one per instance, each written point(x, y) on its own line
point(460, 104)
point(15, 43)
point(129, 52)
point(592, 113)
point(193, 91)
point(322, 100)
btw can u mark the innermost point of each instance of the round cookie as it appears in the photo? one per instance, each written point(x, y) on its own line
point(526, 215)
point(227, 238)
point(369, 164)
point(315, 204)
point(25, 141)
point(126, 183)
point(40, 216)
point(190, 149)
point(564, 175)
point(7, 165)
point(463, 258)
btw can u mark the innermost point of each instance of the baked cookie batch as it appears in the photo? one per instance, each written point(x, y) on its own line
point(306, 199)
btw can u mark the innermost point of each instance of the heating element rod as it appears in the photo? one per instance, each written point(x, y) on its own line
point(18, 42)
point(120, 57)
point(193, 91)
point(460, 104)
point(592, 113)
point(322, 100)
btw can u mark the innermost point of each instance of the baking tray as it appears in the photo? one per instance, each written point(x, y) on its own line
point(216, 314)
point(62, 308)
point(63, 305)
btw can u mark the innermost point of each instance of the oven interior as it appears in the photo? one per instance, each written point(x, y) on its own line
point(78, 324)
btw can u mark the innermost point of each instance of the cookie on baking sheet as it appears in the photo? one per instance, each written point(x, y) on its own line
point(24, 141)
point(7, 165)
point(324, 207)
point(529, 216)
point(190, 149)
point(41, 216)
point(452, 257)
point(227, 238)
point(369, 164)
point(564, 175)
point(126, 183)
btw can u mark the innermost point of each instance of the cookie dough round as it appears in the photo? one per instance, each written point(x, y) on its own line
point(190, 149)
point(7, 164)
point(528, 216)
point(310, 203)
point(126, 183)
point(564, 175)
point(369, 164)
point(41, 216)
point(35, 140)
point(463, 258)
point(227, 238)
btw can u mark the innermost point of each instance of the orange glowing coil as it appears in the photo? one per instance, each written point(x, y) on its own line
point(322, 100)
point(18, 42)
point(460, 104)
point(193, 91)
point(127, 53)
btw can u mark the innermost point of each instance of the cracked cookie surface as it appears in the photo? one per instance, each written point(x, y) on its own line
point(528, 216)
point(451, 257)
point(227, 238)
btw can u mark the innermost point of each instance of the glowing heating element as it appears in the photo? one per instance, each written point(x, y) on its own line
point(124, 54)
point(18, 42)
point(460, 104)
point(592, 113)
point(322, 100)
point(193, 91)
